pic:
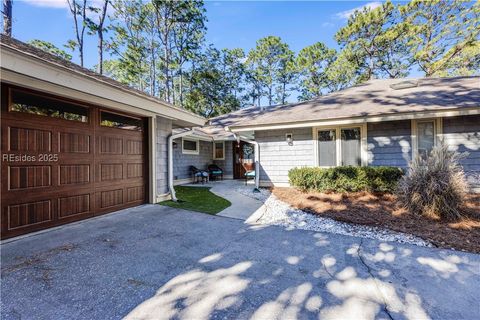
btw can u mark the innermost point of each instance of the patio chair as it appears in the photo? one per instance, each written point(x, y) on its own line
point(249, 171)
point(198, 175)
point(215, 172)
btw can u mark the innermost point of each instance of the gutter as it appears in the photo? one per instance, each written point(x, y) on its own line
point(170, 160)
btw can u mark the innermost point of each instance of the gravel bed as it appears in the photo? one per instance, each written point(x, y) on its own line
point(280, 213)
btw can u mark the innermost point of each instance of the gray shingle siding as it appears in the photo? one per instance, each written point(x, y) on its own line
point(163, 130)
point(277, 157)
point(227, 164)
point(462, 134)
point(389, 143)
point(182, 162)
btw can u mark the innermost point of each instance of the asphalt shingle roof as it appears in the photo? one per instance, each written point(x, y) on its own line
point(373, 98)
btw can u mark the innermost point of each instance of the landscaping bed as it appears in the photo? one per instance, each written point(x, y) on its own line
point(383, 211)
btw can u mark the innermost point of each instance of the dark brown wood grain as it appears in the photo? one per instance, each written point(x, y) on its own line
point(99, 169)
point(238, 159)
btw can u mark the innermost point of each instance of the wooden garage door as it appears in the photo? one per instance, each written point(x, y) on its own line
point(63, 161)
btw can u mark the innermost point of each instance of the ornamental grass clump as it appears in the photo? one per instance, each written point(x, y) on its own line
point(435, 186)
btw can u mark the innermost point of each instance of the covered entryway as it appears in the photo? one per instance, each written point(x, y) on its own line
point(243, 158)
point(64, 161)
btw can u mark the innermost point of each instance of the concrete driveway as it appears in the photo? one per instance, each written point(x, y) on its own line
point(155, 262)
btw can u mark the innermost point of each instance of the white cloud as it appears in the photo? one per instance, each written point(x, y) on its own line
point(48, 3)
point(328, 24)
point(347, 13)
point(60, 3)
point(63, 4)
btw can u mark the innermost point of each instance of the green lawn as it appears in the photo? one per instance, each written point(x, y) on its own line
point(197, 199)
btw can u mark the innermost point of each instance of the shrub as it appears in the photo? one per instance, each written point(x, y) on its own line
point(435, 186)
point(346, 179)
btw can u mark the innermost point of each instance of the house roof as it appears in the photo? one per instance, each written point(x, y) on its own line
point(216, 133)
point(22, 48)
point(373, 98)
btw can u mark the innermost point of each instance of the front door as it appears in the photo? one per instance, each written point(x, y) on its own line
point(243, 152)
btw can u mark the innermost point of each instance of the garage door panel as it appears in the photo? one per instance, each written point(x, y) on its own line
point(136, 193)
point(71, 142)
point(67, 170)
point(29, 177)
point(26, 214)
point(110, 145)
point(74, 174)
point(135, 147)
point(69, 206)
point(108, 172)
point(29, 139)
point(110, 198)
point(135, 170)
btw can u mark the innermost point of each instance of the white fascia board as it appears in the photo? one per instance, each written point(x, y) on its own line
point(31, 66)
point(359, 120)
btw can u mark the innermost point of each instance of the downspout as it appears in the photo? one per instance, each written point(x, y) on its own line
point(257, 159)
point(170, 160)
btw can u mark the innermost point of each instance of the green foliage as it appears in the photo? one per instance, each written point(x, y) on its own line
point(131, 25)
point(50, 48)
point(159, 47)
point(346, 179)
point(443, 36)
point(373, 41)
point(313, 63)
point(270, 63)
point(198, 199)
point(213, 87)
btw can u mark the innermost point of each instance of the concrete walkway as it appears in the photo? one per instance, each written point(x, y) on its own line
point(157, 262)
point(243, 207)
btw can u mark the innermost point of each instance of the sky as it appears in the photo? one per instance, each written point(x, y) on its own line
point(231, 24)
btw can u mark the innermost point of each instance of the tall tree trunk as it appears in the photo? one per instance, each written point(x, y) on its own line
point(284, 88)
point(172, 79)
point(80, 42)
point(79, 32)
point(100, 36)
point(7, 17)
point(100, 52)
point(152, 69)
point(80, 50)
point(181, 87)
point(166, 73)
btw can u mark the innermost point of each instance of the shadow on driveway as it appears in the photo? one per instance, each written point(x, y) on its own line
point(155, 262)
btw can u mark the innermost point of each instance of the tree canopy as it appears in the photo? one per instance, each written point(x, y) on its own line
point(159, 46)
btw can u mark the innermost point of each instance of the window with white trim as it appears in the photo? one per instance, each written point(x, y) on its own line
point(350, 147)
point(425, 134)
point(190, 146)
point(327, 144)
point(219, 150)
point(340, 146)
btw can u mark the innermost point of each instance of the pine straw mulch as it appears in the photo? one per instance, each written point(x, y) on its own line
point(382, 210)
